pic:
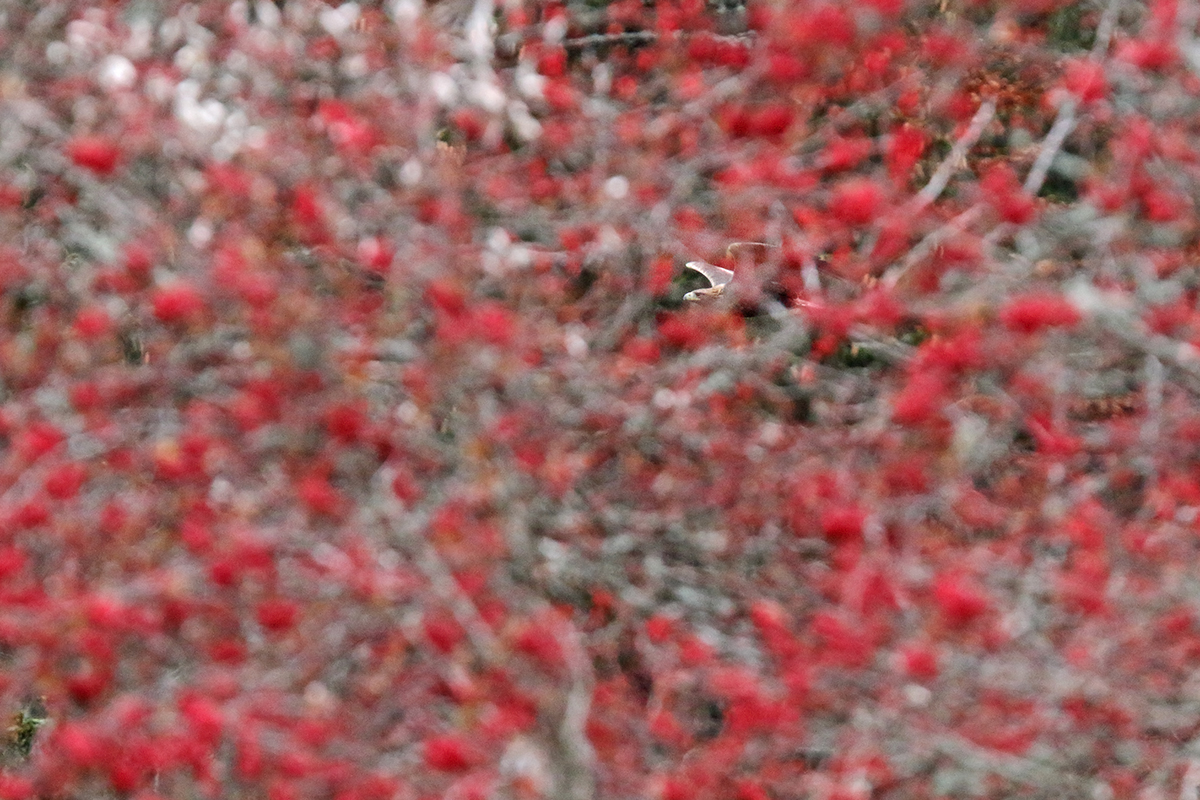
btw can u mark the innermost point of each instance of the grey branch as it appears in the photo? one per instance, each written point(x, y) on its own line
point(924, 247)
point(407, 528)
point(1067, 117)
point(578, 757)
point(1028, 772)
point(1063, 125)
point(956, 157)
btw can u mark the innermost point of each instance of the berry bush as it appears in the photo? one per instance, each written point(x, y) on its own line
point(356, 443)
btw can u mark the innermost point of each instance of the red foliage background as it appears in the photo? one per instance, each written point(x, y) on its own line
point(356, 444)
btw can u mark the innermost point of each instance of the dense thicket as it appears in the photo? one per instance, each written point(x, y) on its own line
point(355, 440)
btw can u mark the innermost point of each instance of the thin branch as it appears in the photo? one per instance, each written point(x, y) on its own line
point(937, 183)
point(603, 39)
point(1106, 28)
point(407, 527)
point(1067, 117)
point(1063, 125)
point(643, 37)
point(1185, 34)
point(1180, 355)
point(1107, 313)
point(923, 248)
point(1154, 401)
point(1014, 768)
point(572, 732)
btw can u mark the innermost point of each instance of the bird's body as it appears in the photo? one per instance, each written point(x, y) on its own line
point(719, 277)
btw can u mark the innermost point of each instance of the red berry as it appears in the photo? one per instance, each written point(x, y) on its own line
point(177, 302)
point(94, 153)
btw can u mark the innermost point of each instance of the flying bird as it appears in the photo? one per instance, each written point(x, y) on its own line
point(719, 277)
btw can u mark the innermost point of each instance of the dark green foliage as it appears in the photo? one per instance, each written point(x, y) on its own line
point(24, 727)
point(1069, 29)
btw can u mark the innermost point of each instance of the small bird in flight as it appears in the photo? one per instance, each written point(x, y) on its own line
point(719, 277)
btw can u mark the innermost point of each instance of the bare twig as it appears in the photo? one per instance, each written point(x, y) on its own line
point(1108, 314)
point(941, 177)
point(642, 37)
point(1180, 355)
point(1016, 769)
point(603, 39)
point(1063, 125)
point(575, 761)
point(1067, 117)
point(923, 248)
point(407, 527)
point(1185, 34)
point(579, 758)
point(1154, 401)
point(1106, 28)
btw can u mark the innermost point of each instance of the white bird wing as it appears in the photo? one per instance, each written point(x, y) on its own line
point(717, 276)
